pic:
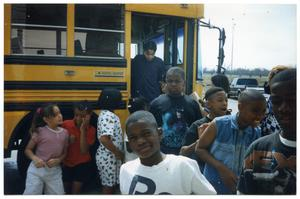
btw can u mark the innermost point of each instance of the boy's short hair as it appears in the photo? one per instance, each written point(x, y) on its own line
point(176, 71)
point(110, 99)
point(145, 116)
point(251, 95)
point(150, 45)
point(137, 104)
point(221, 80)
point(285, 75)
point(211, 91)
point(82, 106)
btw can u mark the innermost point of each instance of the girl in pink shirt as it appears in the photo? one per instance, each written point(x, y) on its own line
point(46, 148)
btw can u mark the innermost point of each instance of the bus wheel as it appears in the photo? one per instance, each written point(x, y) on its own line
point(22, 161)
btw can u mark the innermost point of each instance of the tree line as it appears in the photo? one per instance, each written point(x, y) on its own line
point(241, 71)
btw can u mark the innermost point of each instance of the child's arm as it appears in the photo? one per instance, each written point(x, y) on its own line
point(56, 161)
point(84, 146)
point(106, 141)
point(187, 150)
point(201, 129)
point(29, 153)
point(206, 139)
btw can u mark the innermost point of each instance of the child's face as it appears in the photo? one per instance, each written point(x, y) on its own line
point(79, 115)
point(56, 120)
point(217, 103)
point(144, 139)
point(283, 98)
point(251, 113)
point(174, 85)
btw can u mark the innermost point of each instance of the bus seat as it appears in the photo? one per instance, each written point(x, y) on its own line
point(40, 52)
point(16, 45)
point(101, 44)
point(78, 47)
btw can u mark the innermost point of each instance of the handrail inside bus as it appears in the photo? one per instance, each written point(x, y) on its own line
point(100, 30)
point(38, 26)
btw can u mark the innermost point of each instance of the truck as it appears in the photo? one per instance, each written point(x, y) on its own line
point(239, 84)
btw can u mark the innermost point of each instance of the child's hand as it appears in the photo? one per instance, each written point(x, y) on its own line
point(202, 128)
point(53, 162)
point(228, 178)
point(72, 139)
point(38, 163)
point(184, 151)
point(85, 122)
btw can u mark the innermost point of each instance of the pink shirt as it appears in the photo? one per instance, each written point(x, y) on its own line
point(50, 143)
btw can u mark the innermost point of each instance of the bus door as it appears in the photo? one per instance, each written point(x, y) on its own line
point(174, 37)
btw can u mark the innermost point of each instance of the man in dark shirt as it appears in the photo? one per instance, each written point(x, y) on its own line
point(147, 73)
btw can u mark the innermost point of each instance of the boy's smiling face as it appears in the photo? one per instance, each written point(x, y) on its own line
point(144, 139)
point(251, 113)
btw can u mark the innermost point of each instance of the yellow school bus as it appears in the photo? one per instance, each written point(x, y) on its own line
point(64, 53)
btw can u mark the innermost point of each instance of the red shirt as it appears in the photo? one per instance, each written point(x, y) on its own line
point(74, 157)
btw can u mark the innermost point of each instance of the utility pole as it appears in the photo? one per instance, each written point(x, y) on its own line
point(232, 42)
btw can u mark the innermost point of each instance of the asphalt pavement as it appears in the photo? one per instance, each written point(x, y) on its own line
point(14, 184)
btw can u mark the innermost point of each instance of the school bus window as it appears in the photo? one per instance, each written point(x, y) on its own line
point(99, 30)
point(160, 46)
point(199, 71)
point(133, 50)
point(180, 33)
point(166, 32)
point(174, 37)
point(38, 29)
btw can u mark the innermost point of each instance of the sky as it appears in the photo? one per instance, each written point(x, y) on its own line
point(264, 35)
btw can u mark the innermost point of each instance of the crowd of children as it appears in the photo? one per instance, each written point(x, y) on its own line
point(226, 153)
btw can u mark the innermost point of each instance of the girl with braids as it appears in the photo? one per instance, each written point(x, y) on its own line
point(46, 148)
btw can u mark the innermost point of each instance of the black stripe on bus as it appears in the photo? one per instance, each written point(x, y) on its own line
point(66, 61)
point(54, 85)
point(30, 106)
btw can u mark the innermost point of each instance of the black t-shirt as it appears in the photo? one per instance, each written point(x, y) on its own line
point(145, 77)
point(192, 133)
point(192, 136)
point(174, 115)
point(269, 167)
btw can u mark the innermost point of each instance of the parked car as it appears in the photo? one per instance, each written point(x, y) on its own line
point(239, 84)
